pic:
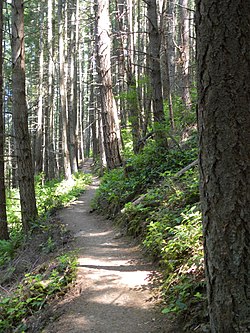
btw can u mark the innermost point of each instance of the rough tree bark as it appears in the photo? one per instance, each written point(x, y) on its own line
point(20, 119)
point(223, 43)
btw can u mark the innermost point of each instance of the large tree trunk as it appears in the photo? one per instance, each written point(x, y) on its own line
point(20, 119)
point(224, 122)
point(109, 115)
point(4, 234)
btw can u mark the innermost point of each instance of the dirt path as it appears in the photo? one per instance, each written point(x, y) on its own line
point(111, 293)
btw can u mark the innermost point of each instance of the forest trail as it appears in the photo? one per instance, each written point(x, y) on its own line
point(112, 292)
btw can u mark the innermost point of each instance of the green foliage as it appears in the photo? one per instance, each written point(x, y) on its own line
point(50, 195)
point(6, 251)
point(163, 210)
point(120, 186)
point(178, 244)
point(57, 193)
point(35, 291)
point(8, 247)
point(13, 208)
point(49, 245)
point(182, 116)
point(127, 143)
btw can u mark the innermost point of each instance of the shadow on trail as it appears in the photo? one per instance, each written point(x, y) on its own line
point(114, 315)
point(112, 291)
point(122, 268)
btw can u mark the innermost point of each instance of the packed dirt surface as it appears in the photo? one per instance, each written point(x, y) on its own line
point(112, 293)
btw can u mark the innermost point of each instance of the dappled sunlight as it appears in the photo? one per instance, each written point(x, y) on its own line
point(92, 234)
point(76, 202)
point(126, 274)
point(112, 283)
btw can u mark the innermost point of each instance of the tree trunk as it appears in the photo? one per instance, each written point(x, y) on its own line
point(72, 98)
point(184, 50)
point(92, 111)
point(165, 75)
point(155, 74)
point(170, 42)
point(40, 115)
point(20, 119)
point(4, 234)
point(109, 115)
point(224, 120)
point(50, 114)
point(63, 95)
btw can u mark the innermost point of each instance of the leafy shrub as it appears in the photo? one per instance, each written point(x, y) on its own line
point(141, 172)
point(179, 249)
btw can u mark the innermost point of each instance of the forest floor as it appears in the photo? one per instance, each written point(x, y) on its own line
point(113, 292)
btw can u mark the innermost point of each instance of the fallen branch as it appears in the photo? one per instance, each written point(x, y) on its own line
point(182, 171)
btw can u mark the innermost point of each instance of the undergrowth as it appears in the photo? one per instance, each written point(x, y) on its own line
point(35, 291)
point(140, 173)
point(20, 255)
point(149, 201)
point(56, 193)
point(50, 195)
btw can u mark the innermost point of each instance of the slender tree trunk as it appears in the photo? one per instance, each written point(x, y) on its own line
point(20, 119)
point(165, 64)
point(110, 124)
point(4, 233)
point(184, 49)
point(72, 98)
point(223, 46)
point(50, 112)
point(134, 108)
point(170, 42)
point(81, 108)
point(155, 74)
point(40, 115)
point(75, 84)
point(103, 160)
point(63, 94)
point(92, 111)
